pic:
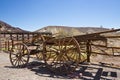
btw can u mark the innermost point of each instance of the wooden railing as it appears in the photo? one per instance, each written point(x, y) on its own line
point(7, 40)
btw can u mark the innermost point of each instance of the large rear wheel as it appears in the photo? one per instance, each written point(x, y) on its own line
point(64, 55)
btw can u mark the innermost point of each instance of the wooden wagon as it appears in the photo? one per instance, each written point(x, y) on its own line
point(60, 54)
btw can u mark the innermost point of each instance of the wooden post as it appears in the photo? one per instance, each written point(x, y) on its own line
point(12, 41)
point(88, 48)
point(0, 37)
point(22, 38)
point(8, 45)
point(28, 37)
point(5, 45)
point(17, 37)
point(33, 38)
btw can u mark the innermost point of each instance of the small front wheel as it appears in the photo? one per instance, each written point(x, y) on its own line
point(19, 55)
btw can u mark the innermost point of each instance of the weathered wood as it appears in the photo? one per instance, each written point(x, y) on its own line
point(117, 36)
point(95, 36)
point(105, 46)
point(88, 50)
point(17, 37)
point(61, 43)
point(22, 38)
point(105, 54)
point(46, 33)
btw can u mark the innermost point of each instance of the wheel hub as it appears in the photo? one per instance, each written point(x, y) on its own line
point(19, 56)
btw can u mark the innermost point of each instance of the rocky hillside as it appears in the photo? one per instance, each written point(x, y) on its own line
point(64, 30)
point(8, 28)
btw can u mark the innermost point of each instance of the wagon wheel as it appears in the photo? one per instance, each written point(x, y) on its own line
point(40, 40)
point(19, 55)
point(83, 54)
point(65, 55)
point(39, 55)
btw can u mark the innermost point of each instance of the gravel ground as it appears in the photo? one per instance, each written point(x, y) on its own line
point(9, 73)
point(33, 72)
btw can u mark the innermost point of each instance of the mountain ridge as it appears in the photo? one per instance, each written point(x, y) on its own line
point(5, 27)
point(63, 30)
point(71, 30)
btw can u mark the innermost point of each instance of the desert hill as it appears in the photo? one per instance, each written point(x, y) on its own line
point(64, 30)
point(5, 27)
point(55, 30)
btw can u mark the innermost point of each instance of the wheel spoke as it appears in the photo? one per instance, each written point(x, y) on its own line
point(68, 43)
point(53, 60)
point(13, 60)
point(16, 62)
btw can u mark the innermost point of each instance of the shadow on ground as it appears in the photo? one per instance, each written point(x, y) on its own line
point(85, 71)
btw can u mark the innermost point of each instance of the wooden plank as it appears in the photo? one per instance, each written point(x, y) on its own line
point(105, 54)
point(112, 36)
point(105, 46)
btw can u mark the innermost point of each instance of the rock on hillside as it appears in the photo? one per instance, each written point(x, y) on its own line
point(8, 28)
point(70, 30)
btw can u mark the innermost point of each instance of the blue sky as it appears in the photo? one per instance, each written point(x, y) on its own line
point(35, 14)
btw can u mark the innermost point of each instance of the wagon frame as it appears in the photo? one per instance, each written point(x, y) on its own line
point(62, 54)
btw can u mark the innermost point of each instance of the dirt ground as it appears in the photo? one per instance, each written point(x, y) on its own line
point(104, 70)
point(113, 61)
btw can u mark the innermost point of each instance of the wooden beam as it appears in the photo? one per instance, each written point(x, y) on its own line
point(105, 54)
point(88, 50)
point(105, 46)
